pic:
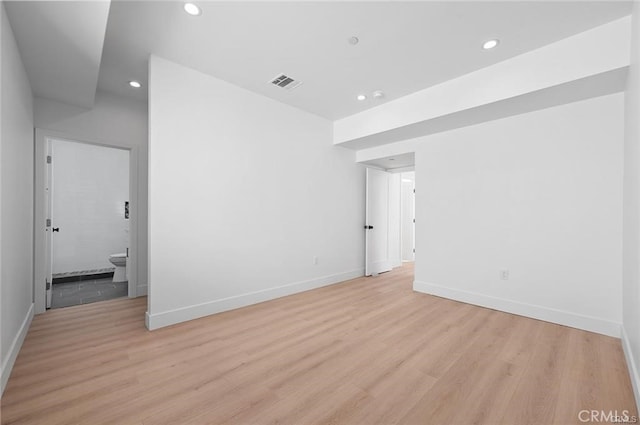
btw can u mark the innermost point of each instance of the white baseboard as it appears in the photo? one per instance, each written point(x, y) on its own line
point(141, 290)
point(561, 317)
point(632, 366)
point(16, 344)
point(167, 318)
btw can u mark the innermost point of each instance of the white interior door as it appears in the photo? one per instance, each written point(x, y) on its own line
point(377, 223)
point(49, 229)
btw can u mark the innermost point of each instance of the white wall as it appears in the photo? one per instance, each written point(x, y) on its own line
point(244, 192)
point(90, 187)
point(2, 354)
point(631, 240)
point(113, 121)
point(407, 215)
point(538, 194)
point(16, 193)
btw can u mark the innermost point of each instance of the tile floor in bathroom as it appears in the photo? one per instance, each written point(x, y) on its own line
point(86, 291)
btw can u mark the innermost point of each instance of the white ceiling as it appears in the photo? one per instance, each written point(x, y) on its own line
point(61, 46)
point(404, 46)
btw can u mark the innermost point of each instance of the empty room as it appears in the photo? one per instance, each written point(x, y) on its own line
point(320, 212)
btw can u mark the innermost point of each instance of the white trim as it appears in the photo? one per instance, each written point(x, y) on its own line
point(134, 223)
point(402, 169)
point(41, 135)
point(39, 216)
point(171, 317)
point(561, 317)
point(375, 167)
point(141, 290)
point(7, 364)
point(631, 365)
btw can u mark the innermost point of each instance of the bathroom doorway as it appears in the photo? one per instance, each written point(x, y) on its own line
point(87, 201)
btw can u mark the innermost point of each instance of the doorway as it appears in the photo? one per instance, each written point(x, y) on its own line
point(84, 199)
point(88, 204)
point(390, 214)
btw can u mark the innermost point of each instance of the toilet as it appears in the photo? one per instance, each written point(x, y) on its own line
point(120, 261)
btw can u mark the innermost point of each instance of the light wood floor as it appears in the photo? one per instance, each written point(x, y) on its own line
point(368, 351)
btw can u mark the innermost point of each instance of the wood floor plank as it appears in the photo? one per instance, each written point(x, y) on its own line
point(535, 399)
point(367, 351)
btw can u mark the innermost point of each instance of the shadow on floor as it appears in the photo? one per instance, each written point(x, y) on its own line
point(86, 291)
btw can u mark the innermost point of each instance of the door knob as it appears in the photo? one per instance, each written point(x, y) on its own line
point(368, 227)
point(55, 229)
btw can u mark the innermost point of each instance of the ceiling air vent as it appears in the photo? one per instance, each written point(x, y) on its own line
point(285, 82)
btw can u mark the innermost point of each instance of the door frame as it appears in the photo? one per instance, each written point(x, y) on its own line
point(48, 237)
point(413, 213)
point(39, 223)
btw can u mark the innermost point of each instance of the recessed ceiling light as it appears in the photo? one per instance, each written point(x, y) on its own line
point(353, 40)
point(361, 97)
point(192, 9)
point(490, 44)
point(378, 94)
point(135, 84)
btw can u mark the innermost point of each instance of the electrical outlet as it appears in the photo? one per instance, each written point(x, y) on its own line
point(504, 274)
point(315, 260)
